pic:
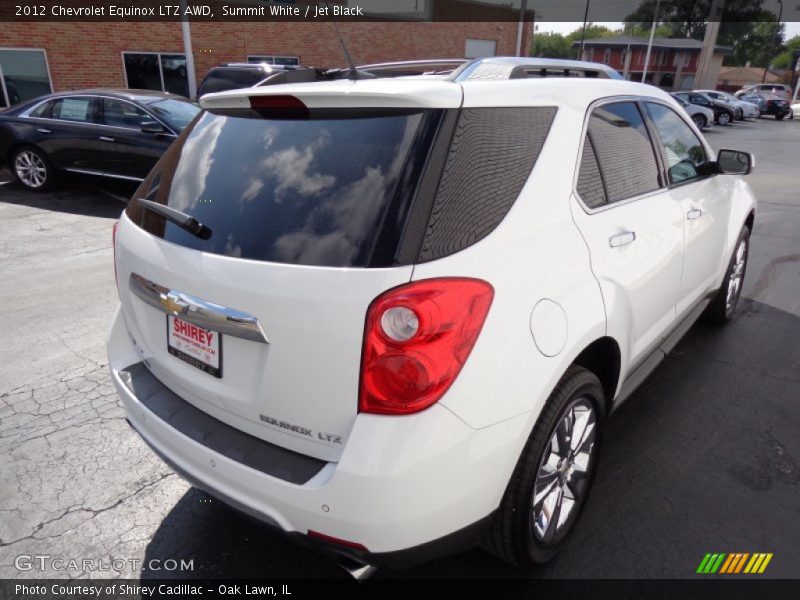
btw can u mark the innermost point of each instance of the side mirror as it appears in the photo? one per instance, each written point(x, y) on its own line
point(152, 127)
point(734, 162)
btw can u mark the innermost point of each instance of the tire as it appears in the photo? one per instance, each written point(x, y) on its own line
point(700, 121)
point(515, 533)
point(724, 119)
point(32, 169)
point(779, 117)
point(724, 303)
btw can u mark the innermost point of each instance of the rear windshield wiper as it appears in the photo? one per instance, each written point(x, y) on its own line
point(181, 219)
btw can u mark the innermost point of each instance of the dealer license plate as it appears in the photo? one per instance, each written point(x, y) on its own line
point(201, 348)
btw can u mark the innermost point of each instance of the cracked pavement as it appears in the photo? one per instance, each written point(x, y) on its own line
point(705, 457)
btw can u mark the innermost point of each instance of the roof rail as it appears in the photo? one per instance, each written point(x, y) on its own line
point(410, 67)
point(488, 69)
point(509, 67)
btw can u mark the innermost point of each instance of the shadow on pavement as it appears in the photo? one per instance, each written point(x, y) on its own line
point(705, 457)
point(77, 195)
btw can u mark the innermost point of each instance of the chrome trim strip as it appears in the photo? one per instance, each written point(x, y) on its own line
point(104, 174)
point(198, 311)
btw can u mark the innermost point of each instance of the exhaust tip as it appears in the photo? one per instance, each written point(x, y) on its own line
point(356, 570)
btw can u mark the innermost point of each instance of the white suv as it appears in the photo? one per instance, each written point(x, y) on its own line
point(390, 317)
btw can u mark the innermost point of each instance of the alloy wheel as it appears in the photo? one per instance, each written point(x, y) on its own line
point(30, 169)
point(699, 120)
point(561, 481)
point(736, 275)
point(724, 119)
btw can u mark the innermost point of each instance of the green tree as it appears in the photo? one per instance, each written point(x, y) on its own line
point(784, 59)
point(592, 32)
point(642, 30)
point(758, 45)
point(551, 45)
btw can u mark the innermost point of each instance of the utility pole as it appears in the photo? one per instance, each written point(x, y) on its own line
point(650, 43)
point(780, 14)
point(583, 31)
point(186, 30)
point(709, 43)
point(521, 26)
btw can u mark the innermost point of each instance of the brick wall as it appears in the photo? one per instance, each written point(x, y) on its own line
point(83, 55)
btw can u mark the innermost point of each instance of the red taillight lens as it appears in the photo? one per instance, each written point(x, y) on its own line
point(417, 338)
point(335, 540)
point(278, 102)
point(114, 249)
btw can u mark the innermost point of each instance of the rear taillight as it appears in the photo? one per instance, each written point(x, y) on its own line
point(335, 540)
point(417, 338)
point(114, 249)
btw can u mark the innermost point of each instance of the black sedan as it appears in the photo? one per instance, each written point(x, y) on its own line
point(724, 113)
point(112, 133)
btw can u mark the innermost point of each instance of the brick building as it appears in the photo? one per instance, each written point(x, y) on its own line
point(672, 65)
point(37, 57)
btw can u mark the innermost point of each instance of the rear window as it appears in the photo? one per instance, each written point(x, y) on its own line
point(330, 189)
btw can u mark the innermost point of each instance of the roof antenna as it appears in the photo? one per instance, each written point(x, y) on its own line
point(352, 73)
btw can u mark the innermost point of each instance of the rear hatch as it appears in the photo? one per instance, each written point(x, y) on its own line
point(260, 322)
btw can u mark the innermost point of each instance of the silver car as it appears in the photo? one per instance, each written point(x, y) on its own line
point(701, 115)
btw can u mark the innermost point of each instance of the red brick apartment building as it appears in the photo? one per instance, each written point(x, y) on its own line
point(39, 57)
point(672, 65)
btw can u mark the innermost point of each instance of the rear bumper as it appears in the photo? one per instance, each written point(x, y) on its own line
point(407, 489)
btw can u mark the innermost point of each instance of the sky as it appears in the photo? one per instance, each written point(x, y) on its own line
point(792, 28)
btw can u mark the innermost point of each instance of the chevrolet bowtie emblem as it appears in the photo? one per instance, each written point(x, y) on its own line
point(173, 305)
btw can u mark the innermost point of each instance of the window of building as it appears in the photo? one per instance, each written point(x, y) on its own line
point(479, 48)
point(588, 54)
point(616, 139)
point(156, 71)
point(686, 156)
point(607, 56)
point(24, 74)
point(274, 60)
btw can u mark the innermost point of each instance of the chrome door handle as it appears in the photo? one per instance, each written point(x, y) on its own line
point(106, 139)
point(694, 213)
point(43, 130)
point(621, 239)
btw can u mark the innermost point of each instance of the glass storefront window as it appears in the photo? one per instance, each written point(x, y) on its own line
point(25, 75)
point(154, 71)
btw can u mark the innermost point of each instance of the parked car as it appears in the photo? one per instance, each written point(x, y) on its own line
point(768, 89)
point(778, 108)
point(754, 98)
point(234, 76)
point(389, 380)
point(745, 110)
point(724, 113)
point(796, 110)
point(111, 133)
point(701, 115)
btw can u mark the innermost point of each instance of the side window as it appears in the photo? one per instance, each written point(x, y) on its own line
point(73, 109)
point(618, 161)
point(686, 156)
point(42, 111)
point(119, 113)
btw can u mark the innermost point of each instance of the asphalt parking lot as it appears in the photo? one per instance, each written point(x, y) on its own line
point(705, 457)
